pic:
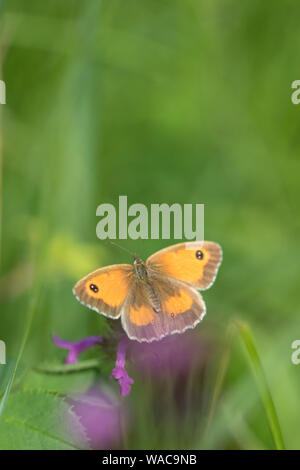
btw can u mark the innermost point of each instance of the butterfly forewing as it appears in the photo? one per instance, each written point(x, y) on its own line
point(195, 263)
point(106, 289)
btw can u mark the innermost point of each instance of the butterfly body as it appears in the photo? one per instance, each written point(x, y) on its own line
point(141, 274)
point(140, 269)
point(156, 298)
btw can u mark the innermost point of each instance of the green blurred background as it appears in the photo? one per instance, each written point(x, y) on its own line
point(162, 101)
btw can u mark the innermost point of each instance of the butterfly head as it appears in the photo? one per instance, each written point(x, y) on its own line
point(139, 268)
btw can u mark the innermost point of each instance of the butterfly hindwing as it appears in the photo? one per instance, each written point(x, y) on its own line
point(160, 308)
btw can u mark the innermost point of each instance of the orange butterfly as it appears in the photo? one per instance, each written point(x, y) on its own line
point(156, 298)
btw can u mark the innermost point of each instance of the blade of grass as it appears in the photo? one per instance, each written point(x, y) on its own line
point(254, 360)
point(246, 336)
point(4, 41)
point(221, 373)
point(29, 320)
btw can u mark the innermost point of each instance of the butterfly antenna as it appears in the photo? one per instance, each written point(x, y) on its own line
point(121, 247)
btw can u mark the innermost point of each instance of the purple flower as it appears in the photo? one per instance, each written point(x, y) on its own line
point(76, 347)
point(175, 354)
point(119, 372)
point(178, 354)
point(103, 419)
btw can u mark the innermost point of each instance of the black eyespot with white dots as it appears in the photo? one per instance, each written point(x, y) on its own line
point(94, 288)
point(199, 254)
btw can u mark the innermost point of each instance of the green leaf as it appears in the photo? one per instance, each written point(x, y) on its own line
point(66, 383)
point(40, 420)
point(57, 368)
